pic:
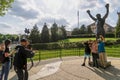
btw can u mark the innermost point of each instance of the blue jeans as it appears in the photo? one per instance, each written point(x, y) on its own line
point(5, 70)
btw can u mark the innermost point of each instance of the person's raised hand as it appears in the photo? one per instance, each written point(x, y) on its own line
point(88, 11)
point(107, 5)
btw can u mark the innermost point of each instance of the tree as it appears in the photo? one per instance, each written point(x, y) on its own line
point(35, 35)
point(54, 33)
point(75, 31)
point(4, 5)
point(63, 32)
point(27, 31)
point(89, 31)
point(83, 29)
point(45, 36)
point(118, 27)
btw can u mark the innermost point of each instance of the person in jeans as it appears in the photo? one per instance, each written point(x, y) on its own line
point(20, 60)
point(101, 51)
point(95, 56)
point(6, 63)
point(87, 53)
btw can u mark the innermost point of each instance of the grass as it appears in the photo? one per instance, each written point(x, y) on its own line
point(85, 39)
point(47, 54)
point(111, 51)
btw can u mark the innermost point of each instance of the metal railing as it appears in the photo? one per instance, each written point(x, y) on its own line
point(59, 53)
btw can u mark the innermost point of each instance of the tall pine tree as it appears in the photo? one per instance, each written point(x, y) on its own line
point(89, 31)
point(64, 32)
point(54, 33)
point(45, 36)
point(35, 35)
point(83, 29)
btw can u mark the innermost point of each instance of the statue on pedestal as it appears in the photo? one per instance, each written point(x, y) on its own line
point(100, 36)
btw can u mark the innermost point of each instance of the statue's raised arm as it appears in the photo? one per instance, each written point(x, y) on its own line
point(88, 11)
point(106, 15)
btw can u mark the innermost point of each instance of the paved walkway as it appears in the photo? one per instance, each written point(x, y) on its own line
point(69, 68)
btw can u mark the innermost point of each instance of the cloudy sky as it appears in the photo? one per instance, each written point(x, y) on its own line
point(26, 13)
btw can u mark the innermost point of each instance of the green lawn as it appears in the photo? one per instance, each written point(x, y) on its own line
point(85, 39)
point(111, 51)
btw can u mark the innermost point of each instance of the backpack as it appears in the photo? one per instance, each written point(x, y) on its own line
point(2, 57)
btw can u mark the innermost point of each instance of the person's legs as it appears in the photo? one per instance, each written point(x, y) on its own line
point(93, 59)
point(100, 58)
point(2, 72)
point(84, 60)
point(26, 74)
point(19, 73)
point(7, 68)
point(96, 60)
point(103, 59)
point(89, 59)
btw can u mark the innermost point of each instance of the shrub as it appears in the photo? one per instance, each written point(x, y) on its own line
point(56, 45)
point(66, 45)
point(118, 41)
point(82, 36)
point(110, 35)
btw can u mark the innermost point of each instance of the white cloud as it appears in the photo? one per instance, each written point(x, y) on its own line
point(20, 9)
point(30, 12)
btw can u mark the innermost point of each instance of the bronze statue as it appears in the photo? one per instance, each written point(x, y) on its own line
point(99, 22)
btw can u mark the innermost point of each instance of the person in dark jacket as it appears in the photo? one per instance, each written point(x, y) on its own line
point(20, 61)
point(87, 53)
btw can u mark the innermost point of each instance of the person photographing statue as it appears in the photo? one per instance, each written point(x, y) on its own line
point(99, 22)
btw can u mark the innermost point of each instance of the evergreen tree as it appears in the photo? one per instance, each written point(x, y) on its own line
point(35, 35)
point(45, 36)
point(89, 31)
point(83, 29)
point(118, 27)
point(54, 33)
point(75, 31)
point(64, 33)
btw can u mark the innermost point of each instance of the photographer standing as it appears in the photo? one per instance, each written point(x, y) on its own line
point(20, 60)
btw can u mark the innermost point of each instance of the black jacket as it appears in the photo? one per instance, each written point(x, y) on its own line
point(87, 49)
point(20, 59)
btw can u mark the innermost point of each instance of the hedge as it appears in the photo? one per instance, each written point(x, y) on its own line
point(68, 45)
point(57, 45)
point(107, 35)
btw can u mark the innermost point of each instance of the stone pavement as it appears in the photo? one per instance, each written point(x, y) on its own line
point(69, 68)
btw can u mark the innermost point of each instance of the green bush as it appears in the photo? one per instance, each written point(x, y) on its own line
point(82, 36)
point(65, 45)
point(118, 41)
point(110, 35)
point(108, 43)
point(56, 45)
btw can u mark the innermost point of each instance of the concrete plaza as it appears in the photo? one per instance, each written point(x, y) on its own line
point(69, 68)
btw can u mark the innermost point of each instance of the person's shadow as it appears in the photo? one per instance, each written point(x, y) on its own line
point(110, 73)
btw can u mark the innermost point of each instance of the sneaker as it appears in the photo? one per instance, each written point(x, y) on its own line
point(83, 64)
point(89, 64)
point(93, 65)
